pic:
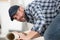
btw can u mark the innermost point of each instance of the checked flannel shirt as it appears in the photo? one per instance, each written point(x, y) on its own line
point(41, 13)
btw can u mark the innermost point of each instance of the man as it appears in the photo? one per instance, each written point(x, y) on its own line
point(40, 12)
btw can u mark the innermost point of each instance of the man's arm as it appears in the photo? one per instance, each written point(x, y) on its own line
point(33, 34)
point(29, 35)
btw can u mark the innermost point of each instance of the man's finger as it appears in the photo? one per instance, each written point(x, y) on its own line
point(20, 39)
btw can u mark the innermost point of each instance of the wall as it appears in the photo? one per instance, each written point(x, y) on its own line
point(0, 19)
point(6, 23)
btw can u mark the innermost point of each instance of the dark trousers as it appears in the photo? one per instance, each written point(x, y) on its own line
point(53, 31)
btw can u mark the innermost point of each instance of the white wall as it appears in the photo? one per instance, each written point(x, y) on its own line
point(0, 19)
point(6, 23)
point(4, 14)
point(26, 2)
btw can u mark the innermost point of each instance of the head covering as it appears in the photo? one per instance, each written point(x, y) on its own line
point(13, 10)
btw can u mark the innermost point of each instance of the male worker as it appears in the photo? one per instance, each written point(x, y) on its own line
point(40, 12)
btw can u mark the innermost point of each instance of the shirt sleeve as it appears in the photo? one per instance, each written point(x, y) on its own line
point(39, 26)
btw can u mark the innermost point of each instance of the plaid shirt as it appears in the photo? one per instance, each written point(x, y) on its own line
point(41, 13)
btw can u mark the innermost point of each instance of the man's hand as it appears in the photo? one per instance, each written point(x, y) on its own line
point(23, 36)
point(30, 35)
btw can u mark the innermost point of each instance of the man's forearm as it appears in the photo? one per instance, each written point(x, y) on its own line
point(33, 34)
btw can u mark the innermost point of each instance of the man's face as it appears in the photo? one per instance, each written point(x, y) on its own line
point(20, 15)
